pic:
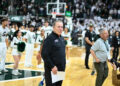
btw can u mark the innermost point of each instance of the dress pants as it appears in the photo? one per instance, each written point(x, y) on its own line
point(116, 53)
point(102, 72)
point(48, 79)
point(87, 55)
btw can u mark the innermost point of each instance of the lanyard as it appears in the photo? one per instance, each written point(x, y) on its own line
point(106, 46)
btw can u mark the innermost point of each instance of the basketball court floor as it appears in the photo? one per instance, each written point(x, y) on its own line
point(76, 74)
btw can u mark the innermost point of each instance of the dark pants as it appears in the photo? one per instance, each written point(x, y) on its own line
point(48, 79)
point(115, 53)
point(102, 73)
point(87, 55)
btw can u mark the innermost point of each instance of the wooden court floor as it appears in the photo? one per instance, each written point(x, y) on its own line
point(76, 74)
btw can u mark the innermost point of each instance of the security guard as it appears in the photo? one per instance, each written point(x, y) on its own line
point(53, 53)
point(89, 39)
point(115, 45)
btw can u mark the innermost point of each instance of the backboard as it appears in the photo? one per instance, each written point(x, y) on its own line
point(58, 7)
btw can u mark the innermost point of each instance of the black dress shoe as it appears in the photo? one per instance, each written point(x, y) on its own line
point(87, 67)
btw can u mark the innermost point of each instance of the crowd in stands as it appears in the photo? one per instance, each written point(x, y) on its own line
point(79, 8)
point(101, 13)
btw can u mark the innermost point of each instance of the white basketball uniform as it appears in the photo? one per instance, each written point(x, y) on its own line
point(47, 30)
point(30, 36)
point(3, 46)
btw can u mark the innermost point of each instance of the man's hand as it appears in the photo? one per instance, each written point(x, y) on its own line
point(97, 60)
point(114, 66)
point(92, 43)
point(54, 70)
point(112, 48)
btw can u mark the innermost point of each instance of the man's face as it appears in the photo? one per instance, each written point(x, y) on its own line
point(22, 27)
point(46, 24)
point(19, 33)
point(66, 30)
point(5, 23)
point(39, 28)
point(105, 35)
point(42, 32)
point(117, 34)
point(58, 28)
point(91, 28)
point(31, 29)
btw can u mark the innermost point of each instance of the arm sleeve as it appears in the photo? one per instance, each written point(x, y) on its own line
point(46, 51)
point(113, 41)
point(87, 34)
point(95, 47)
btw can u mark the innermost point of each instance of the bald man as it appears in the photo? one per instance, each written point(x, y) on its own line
point(53, 53)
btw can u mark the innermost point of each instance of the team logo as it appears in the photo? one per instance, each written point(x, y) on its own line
point(56, 40)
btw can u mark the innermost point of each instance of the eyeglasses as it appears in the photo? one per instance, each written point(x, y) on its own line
point(59, 26)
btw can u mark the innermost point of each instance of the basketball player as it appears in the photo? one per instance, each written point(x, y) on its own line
point(3, 43)
point(30, 39)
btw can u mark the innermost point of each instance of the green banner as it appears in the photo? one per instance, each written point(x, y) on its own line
point(16, 18)
point(68, 14)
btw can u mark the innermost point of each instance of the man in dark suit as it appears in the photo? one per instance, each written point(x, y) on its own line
point(53, 53)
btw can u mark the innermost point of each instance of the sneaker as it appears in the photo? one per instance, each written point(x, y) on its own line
point(15, 72)
point(87, 67)
point(0, 72)
point(5, 70)
point(39, 66)
point(93, 72)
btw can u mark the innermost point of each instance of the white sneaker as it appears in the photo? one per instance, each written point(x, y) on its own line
point(5, 70)
point(15, 72)
point(0, 72)
point(67, 61)
point(40, 66)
